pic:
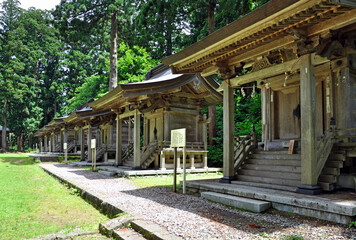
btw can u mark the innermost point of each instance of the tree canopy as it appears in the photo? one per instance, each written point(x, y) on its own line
point(53, 61)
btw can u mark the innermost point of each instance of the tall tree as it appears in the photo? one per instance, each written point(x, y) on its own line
point(82, 18)
point(10, 81)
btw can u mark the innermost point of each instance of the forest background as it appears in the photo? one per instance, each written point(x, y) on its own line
point(51, 62)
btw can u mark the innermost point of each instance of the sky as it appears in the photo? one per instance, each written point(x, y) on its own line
point(40, 4)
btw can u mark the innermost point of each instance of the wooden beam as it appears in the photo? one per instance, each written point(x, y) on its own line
point(272, 71)
point(258, 51)
point(337, 22)
point(127, 114)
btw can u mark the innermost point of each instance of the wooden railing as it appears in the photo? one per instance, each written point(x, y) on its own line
point(100, 151)
point(323, 149)
point(127, 153)
point(243, 148)
point(148, 152)
point(70, 146)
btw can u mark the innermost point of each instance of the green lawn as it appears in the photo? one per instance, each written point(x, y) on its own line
point(167, 180)
point(34, 204)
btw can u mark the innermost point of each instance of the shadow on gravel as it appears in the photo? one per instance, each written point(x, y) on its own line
point(88, 174)
point(255, 223)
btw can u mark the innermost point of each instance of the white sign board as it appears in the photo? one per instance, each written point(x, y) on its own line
point(93, 143)
point(65, 146)
point(178, 137)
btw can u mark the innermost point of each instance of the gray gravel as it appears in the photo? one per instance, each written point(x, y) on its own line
point(194, 218)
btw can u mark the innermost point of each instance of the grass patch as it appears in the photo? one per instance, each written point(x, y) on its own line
point(167, 180)
point(34, 204)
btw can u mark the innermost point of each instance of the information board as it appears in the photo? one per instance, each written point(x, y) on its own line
point(178, 137)
point(93, 143)
point(65, 146)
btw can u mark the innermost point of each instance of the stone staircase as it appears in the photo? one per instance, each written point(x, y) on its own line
point(329, 176)
point(276, 169)
point(129, 228)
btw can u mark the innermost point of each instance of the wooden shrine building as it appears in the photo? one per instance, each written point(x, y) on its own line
point(302, 54)
point(165, 101)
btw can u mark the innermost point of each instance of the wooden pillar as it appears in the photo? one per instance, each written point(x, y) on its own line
point(205, 133)
point(163, 161)
point(265, 116)
point(178, 161)
point(118, 156)
point(89, 143)
point(61, 140)
point(137, 150)
point(82, 151)
point(65, 138)
point(41, 144)
point(53, 144)
point(145, 131)
point(129, 132)
point(308, 125)
point(228, 120)
point(45, 143)
point(192, 165)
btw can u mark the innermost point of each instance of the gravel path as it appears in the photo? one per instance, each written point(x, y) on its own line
point(194, 218)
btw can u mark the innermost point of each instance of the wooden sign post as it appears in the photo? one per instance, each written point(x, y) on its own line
point(178, 139)
point(65, 152)
point(93, 154)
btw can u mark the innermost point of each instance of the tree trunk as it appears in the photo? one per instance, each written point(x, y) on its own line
point(18, 144)
point(21, 146)
point(10, 140)
point(212, 109)
point(113, 53)
point(3, 140)
point(29, 141)
point(211, 18)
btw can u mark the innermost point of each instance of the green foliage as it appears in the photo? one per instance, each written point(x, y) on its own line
point(352, 224)
point(247, 115)
point(133, 64)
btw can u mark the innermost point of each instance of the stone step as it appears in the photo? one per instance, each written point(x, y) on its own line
point(345, 145)
point(127, 234)
point(270, 174)
point(128, 163)
point(328, 178)
point(271, 162)
point(107, 173)
point(277, 181)
point(152, 231)
point(275, 156)
point(108, 228)
point(275, 168)
point(331, 171)
point(351, 153)
point(283, 151)
point(334, 164)
point(264, 185)
point(327, 186)
point(239, 202)
point(337, 157)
